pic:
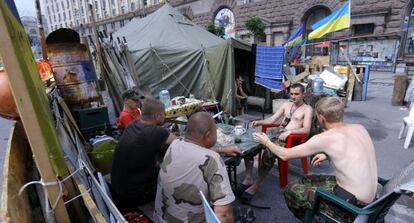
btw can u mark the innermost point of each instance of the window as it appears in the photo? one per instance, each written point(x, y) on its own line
point(59, 17)
point(113, 12)
point(50, 19)
point(133, 6)
point(57, 7)
point(64, 16)
point(48, 10)
point(70, 15)
point(67, 3)
point(121, 23)
point(112, 25)
point(54, 18)
point(364, 29)
point(409, 27)
point(63, 5)
point(314, 15)
point(53, 8)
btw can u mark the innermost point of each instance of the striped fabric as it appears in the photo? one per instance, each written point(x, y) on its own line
point(269, 66)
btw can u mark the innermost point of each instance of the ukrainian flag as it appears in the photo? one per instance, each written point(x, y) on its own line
point(338, 20)
point(296, 37)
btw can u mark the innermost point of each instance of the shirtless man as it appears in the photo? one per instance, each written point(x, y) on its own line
point(297, 119)
point(347, 146)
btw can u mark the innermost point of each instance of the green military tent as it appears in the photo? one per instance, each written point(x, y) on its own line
point(169, 51)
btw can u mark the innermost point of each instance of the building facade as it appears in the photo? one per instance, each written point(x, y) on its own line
point(381, 33)
point(77, 14)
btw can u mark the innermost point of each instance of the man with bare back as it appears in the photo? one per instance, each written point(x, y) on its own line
point(297, 118)
point(351, 152)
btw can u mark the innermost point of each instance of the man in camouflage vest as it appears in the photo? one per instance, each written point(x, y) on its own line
point(190, 166)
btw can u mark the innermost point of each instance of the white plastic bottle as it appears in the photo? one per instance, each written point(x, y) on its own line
point(165, 98)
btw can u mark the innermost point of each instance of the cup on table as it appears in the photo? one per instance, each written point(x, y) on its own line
point(239, 130)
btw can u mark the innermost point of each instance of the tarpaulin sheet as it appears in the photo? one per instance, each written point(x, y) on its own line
point(171, 52)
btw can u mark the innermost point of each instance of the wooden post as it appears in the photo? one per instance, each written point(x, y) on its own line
point(33, 105)
point(400, 85)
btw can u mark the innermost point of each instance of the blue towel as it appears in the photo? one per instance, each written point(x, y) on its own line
point(269, 66)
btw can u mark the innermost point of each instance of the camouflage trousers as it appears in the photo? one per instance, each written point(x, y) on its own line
point(268, 157)
point(300, 196)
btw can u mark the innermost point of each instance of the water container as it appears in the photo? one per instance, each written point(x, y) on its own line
point(165, 98)
point(317, 86)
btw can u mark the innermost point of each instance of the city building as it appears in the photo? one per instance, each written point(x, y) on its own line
point(77, 14)
point(30, 26)
point(381, 32)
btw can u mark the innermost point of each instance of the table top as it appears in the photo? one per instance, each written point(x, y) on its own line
point(247, 144)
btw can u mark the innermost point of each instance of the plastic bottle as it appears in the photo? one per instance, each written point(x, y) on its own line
point(165, 98)
point(317, 86)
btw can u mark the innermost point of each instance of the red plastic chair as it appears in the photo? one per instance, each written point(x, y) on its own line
point(283, 165)
point(291, 141)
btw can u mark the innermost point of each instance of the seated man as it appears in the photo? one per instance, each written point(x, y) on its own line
point(131, 109)
point(191, 166)
point(351, 152)
point(241, 96)
point(136, 158)
point(297, 119)
point(134, 169)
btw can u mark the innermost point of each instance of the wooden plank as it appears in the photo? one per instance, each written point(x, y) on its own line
point(15, 208)
point(296, 78)
point(33, 105)
point(350, 87)
point(90, 205)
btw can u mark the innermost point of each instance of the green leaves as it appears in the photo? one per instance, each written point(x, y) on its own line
point(255, 26)
point(216, 30)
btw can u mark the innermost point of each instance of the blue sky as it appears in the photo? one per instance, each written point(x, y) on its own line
point(26, 7)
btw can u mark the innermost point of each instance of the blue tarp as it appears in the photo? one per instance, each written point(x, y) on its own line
point(269, 66)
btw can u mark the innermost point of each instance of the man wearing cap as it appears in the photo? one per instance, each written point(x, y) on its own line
point(131, 109)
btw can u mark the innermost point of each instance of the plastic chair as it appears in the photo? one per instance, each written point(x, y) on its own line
point(291, 141)
point(374, 212)
point(408, 121)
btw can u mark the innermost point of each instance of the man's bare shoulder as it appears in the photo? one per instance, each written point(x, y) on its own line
point(308, 107)
point(287, 104)
point(358, 127)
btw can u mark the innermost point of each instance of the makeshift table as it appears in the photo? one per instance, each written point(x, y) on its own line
point(246, 146)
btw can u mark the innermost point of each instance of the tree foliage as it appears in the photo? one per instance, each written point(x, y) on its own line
point(216, 30)
point(255, 26)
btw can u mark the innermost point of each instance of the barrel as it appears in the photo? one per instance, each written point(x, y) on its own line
point(73, 72)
